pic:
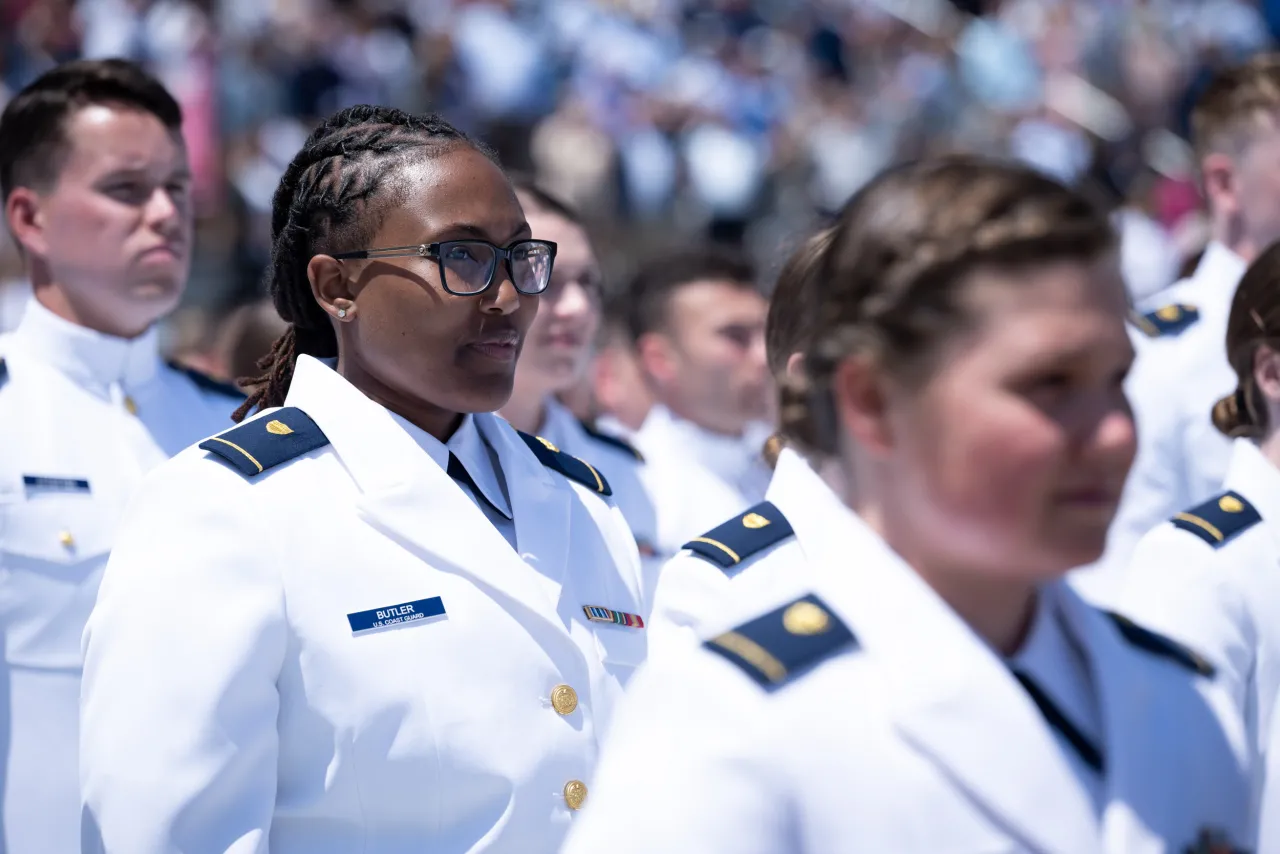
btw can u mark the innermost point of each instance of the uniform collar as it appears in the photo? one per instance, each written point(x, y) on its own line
point(730, 457)
point(1256, 478)
point(90, 358)
point(1219, 264)
point(558, 427)
point(470, 448)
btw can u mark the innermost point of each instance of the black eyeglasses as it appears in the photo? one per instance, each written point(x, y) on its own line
point(467, 267)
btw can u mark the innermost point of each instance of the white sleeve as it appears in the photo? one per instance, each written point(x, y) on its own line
point(1181, 587)
point(179, 702)
point(686, 768)
point(690, 595)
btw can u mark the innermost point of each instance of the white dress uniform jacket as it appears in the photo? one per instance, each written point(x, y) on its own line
point(865, 716)
point(83, 416)
point(623, 465)
point(697, 478)
point(1180, 372)
point(1210, 577)
point(693, 588)
point(342, 653)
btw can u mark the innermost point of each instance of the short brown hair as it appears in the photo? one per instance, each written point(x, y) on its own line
point(895, 273)
point(1254, 321)
point(1236, 101)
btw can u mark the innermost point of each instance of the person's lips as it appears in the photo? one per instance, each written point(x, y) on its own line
point(499, 344)
point(163, 252)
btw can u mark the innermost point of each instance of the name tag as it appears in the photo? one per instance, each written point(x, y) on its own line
point(39, 483)
point(395, 616)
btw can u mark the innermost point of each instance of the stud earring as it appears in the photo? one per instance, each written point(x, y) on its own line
point(342, 312)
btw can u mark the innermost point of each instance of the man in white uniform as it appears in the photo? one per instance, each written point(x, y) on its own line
point(698, 323)
point(97, 194)
point(1182, 369)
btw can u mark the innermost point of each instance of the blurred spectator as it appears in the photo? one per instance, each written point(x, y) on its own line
point(670, 122)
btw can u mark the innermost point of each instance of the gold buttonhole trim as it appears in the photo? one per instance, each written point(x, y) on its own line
point(754, 520)
point(279, 428)
point(805, 618)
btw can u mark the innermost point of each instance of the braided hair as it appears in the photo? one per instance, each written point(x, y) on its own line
point(895, 270)
point(332, 197)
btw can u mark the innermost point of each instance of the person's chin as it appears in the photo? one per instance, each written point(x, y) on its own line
point(486, 393)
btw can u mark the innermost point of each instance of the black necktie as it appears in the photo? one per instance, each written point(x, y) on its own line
point(458, 472)
point(1081, 743)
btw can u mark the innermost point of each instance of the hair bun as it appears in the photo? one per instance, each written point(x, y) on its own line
point(1231, 415)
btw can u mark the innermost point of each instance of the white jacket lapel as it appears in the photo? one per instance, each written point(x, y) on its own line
point(406, 496)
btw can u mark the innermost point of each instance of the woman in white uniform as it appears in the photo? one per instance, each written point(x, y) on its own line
point(1210, 576)
point(374, 617)
point(934, 685)
point(558, 352)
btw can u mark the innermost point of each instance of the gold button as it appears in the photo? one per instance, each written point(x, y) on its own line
point(130, 406)
point(575, 794)
point(564, 699)
point(66, 539)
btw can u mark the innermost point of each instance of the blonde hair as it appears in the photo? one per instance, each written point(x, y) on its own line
point(895, 270)
point(1237, 101)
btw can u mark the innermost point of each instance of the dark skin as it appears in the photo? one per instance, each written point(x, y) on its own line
point(406, 342)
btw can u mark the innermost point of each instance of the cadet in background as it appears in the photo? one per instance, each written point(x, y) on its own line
point(697, 320)
point(1181, 370)
point(933, 684)
point(1210, 576)
point(96, 188)
point(557, 353)
point(766, 538)
point(375, 617)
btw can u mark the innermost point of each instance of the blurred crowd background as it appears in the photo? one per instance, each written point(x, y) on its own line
point(735, 121)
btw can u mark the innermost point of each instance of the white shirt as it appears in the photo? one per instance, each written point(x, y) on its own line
point(1172, 388)
point(230, 702)
point(913, 737)
point(624, 469)
point(693, 592)
point(1222, 599)
point(83, 417)
point(697, 478)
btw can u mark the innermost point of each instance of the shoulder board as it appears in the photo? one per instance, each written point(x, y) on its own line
point(742, 536)
point(1157, 644)
point(784, 643)
point(207, 382)
point(1169, 320)
point(1219, 519)
point(263, 443)
point(600, 436)
point(571, 467)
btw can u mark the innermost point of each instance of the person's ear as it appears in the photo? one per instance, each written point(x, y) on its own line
point(331, 287)
point(1266, 375)
point(25, 214)
point(861, 403)
point(795, 365)
point(1221, 183)
point(657, 357)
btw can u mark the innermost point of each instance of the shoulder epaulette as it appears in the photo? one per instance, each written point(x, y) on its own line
point(742, 536)
point(263, 443)
point(1169, 320)
point(1219, 519)
point(1157, 644)
point(569, 466)
point(207, 382)
point(601, 436)
point(784, 643)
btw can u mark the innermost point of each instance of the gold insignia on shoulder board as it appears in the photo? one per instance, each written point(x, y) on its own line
point(1230, 504)
point(547, 445)
point(754, 520)
point(805, 618)
point(279, 428)
point(1169, 312)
